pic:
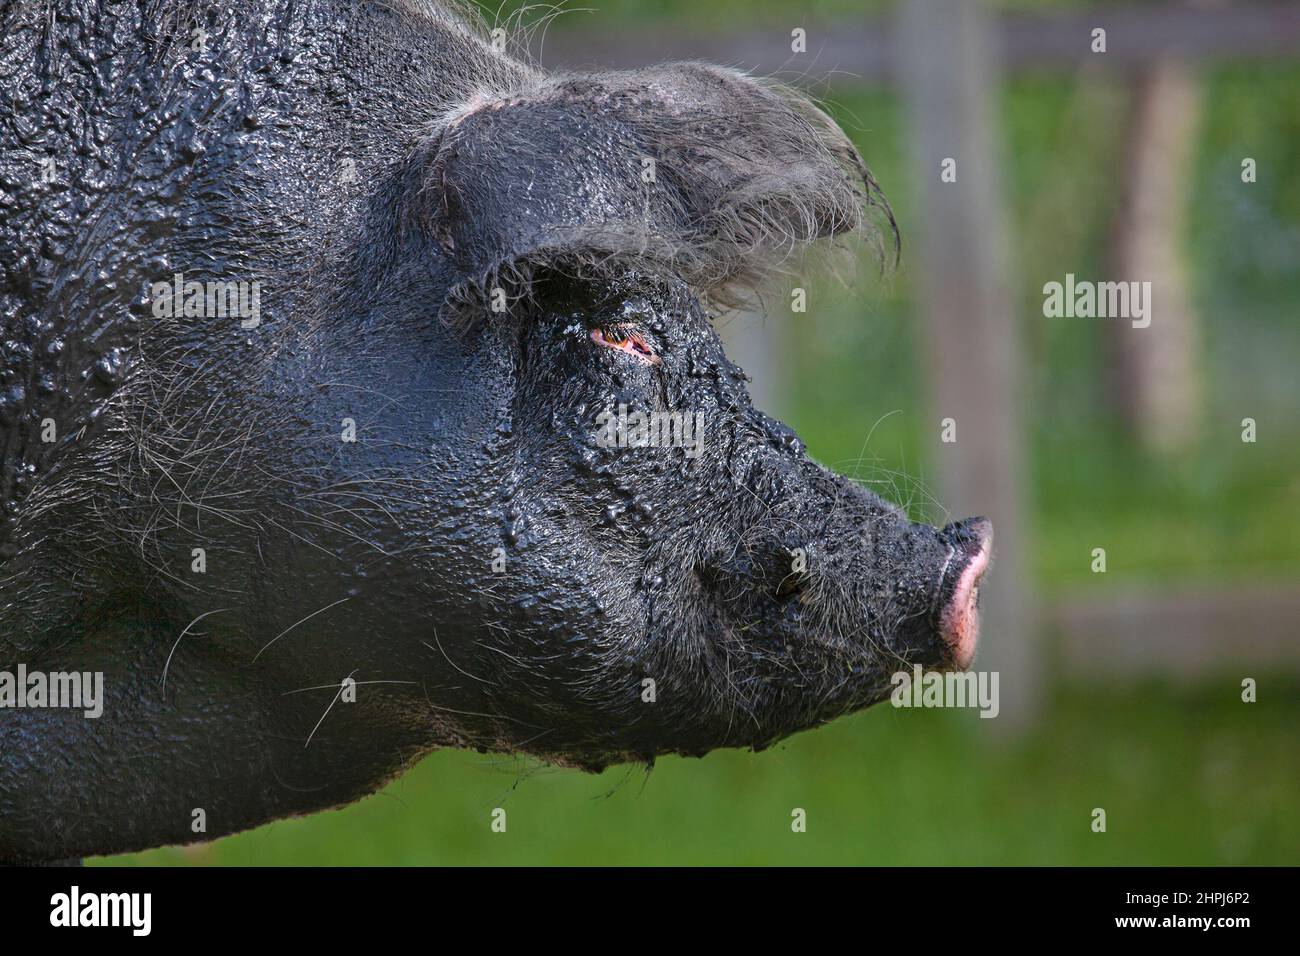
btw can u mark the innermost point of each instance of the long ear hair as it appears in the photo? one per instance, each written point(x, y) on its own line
point(698, 170)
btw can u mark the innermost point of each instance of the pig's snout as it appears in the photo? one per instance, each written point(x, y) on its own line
point(959, 623)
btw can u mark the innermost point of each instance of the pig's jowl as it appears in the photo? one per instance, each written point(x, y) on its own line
point(310, 312)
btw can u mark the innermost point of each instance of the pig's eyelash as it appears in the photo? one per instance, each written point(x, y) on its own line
point(623, 337)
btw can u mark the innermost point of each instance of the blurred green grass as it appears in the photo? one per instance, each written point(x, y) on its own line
point(1184, 777)
point(1187, 775)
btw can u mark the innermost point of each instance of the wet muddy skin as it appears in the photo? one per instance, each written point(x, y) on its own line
point(308, 546)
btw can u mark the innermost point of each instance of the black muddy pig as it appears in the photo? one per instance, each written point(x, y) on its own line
point(310, 311)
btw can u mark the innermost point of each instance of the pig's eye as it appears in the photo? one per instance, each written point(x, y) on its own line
point(622, 338)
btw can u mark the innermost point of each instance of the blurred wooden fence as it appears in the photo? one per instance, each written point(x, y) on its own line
point(869, 48)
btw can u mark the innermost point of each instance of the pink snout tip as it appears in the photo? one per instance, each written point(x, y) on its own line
point(959, 621)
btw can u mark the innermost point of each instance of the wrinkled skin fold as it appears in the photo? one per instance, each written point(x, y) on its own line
point(308, 545)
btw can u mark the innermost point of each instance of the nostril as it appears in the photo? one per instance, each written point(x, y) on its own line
point(969, 534)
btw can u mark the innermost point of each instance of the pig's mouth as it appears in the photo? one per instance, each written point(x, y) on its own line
point(959, 619)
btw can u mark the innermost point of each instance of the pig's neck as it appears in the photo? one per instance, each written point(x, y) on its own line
point(140, 136)
point(210, 752)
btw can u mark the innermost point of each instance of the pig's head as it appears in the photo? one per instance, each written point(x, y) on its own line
point(697, 580)
point(472, 442)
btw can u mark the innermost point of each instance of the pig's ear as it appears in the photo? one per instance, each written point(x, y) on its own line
point(693, 169)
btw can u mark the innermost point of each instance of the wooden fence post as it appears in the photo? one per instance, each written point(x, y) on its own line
point(1157, 368)
point(972, 335)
